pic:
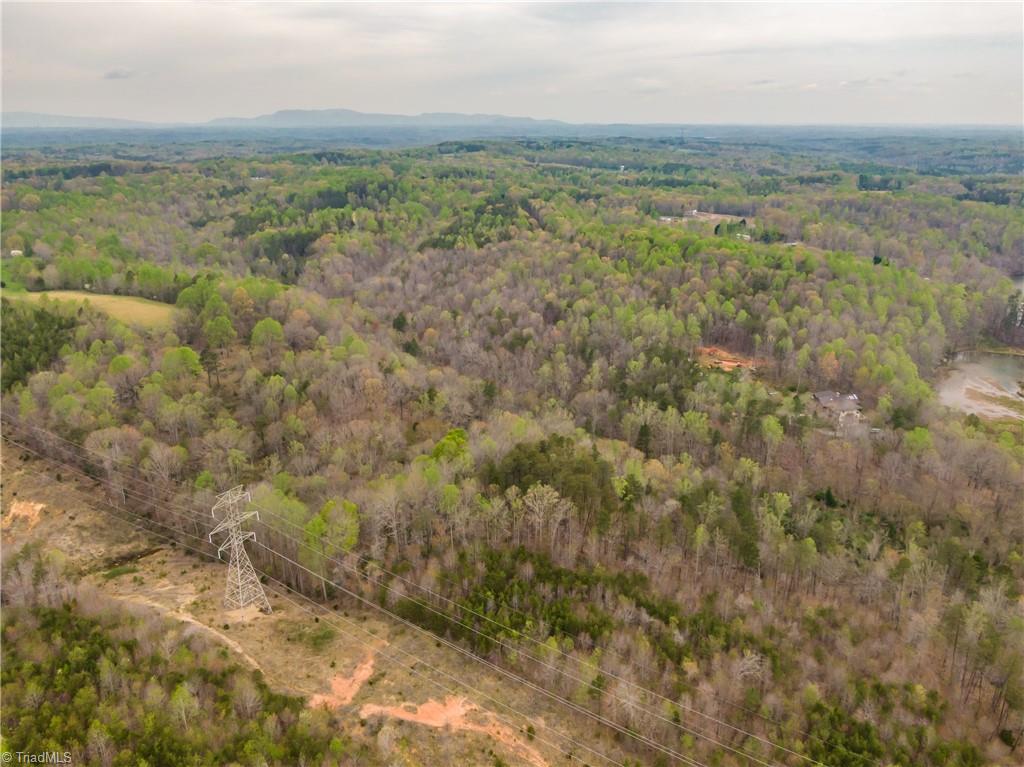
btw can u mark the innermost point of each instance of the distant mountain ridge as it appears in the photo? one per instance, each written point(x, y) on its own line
point(287, 118)
point(349, 118)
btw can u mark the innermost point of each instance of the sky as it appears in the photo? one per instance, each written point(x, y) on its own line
point(763, 63)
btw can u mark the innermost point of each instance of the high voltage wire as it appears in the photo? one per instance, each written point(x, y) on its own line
point(650, 743)
point(578, 661)
point(444, 673)
point(363, 559)
point(643, 739)
point(592, 685)
point(638, 707)
point(743, 754)
point(532, 685)
point(116, 512)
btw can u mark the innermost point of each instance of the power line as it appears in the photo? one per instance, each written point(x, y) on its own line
point(118, 511)
point(643, 739)
point(362, 559)
point(443, 673)
point(511, 675)
point(446, 616)
point(563, 672)
point(590, 684)
point(556, 650)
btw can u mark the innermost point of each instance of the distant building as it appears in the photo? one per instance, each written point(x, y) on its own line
point(843, 409)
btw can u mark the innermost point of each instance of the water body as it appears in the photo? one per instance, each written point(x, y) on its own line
point(985, 384)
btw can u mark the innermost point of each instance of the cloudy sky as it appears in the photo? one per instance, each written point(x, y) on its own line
point(669, 62)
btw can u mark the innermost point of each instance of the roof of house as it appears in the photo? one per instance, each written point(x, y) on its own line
point(833, 400)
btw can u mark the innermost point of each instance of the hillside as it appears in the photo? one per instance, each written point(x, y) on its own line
point(351, 678)
point(639, 438)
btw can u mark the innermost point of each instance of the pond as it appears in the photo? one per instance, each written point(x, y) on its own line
point(985, 384)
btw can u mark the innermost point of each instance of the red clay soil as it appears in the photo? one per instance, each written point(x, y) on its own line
point(716, 356)
point(455, 713)
point(344, 688)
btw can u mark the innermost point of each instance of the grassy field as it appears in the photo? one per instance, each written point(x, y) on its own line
point(128, 309)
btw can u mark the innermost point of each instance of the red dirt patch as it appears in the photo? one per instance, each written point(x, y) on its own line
point(455, 713)
point(344, 688)
point(717, 357)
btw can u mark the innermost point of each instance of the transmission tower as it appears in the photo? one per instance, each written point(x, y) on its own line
point(243, 586)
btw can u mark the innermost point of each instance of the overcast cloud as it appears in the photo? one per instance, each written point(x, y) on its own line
point(680, 62)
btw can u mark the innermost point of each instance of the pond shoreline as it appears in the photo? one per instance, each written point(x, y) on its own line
point(988, 383)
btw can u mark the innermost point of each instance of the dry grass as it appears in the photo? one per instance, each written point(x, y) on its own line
point(127, 309)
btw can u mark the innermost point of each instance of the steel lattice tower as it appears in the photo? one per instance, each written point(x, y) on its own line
point(243, 585)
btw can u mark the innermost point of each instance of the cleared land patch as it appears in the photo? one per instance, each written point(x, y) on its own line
point(717, 357)
point(127, 309)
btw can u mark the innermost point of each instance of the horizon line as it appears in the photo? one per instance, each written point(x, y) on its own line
point(142, 124)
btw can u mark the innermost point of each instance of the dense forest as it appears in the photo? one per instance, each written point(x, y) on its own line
point(483, 386)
